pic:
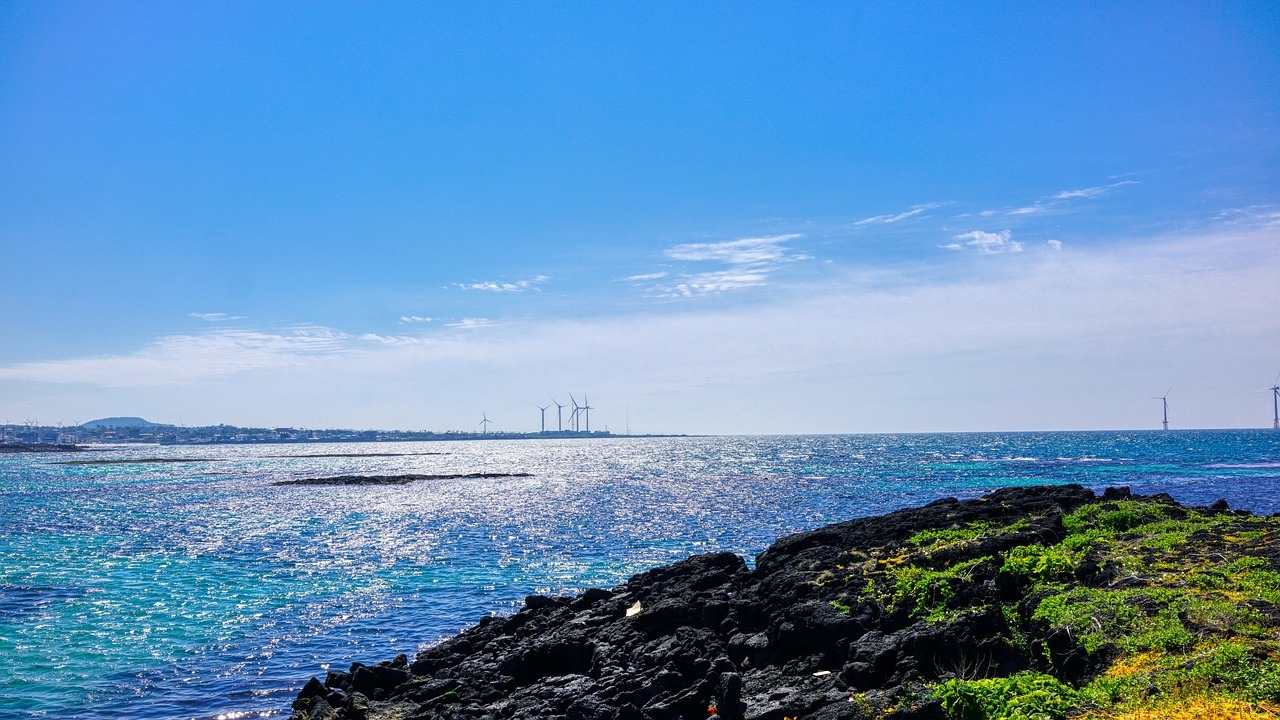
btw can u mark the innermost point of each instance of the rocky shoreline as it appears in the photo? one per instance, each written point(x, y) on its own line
point(1021, 603)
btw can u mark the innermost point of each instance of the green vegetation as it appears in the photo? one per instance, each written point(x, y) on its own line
point(1024, 696)
point(1178, 607)
point(1040, 563)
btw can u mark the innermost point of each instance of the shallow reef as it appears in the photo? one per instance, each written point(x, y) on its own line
point(395, 479)
point(1025, 604)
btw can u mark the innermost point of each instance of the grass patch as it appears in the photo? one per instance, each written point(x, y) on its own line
point(1186, 601)
point(1185, 597)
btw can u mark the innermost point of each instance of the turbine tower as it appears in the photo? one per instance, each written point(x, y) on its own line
point(586, 410)
point(1164, 399)
point(573, 417)
point(484, 424)
point(559, 407)
point(543, 410)
point(1275, 402)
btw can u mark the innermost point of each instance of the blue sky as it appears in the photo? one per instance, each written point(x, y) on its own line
point(732, 217)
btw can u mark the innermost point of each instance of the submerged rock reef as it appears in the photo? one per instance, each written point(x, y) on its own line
point(1040, 602)
point(395, 479)
point(25, 447)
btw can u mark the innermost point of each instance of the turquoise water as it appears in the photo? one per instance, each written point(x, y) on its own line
point(199, 590)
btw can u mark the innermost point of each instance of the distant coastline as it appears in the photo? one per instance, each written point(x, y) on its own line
point(134, 430)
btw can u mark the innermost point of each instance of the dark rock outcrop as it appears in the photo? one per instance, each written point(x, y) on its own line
point(708, 637)
point(392, 479)
point(23, 447)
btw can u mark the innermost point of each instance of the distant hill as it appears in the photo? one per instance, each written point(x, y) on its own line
point(122, 422)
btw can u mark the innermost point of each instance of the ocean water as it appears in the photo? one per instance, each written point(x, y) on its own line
point(197, 589)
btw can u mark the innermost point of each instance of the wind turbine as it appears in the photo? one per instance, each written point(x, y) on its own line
point(543, 410)
point(484, 424)
point(573, 417)
point(559, 407)
point(1164, 399)
point(586, 409)
point(1275, 402)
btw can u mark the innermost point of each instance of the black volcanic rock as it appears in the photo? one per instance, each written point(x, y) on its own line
point(393, 479)
point(38, 447)
point(816, 630)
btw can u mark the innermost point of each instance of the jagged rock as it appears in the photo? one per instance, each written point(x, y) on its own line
point(706, 637)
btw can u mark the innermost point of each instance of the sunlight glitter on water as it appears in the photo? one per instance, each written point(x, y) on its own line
point(161, 590)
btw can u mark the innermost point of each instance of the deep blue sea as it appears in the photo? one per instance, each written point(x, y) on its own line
point(200, 590)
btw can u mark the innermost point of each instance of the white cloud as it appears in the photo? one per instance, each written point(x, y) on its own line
point(177, 359)
point(1254, 215)
point(715, 282)
point(986, 243)
point(750, 262)
point(1092, 192)
point(1055, 201)
point(893, 218)
point(410, 319)
point(1045, 340)
point(390, 339)
point(1054, 244)
point(213, 317)
point(511, 287)
point(645, 277)
point(469, 323)
point(747, 251)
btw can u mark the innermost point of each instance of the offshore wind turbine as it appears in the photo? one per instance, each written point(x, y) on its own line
point(484, 424)
point(1275, 402)
point(559, 407)
point(573, 417)
point(1164, 399)
point(543, 410)
point(586, 409)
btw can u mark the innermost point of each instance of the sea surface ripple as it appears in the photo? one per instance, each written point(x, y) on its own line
point(165, 590)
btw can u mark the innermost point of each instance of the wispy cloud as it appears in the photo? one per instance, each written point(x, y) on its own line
point(469, 323)
point(747, 251)
point(1256, 215)
point(749, 261)
point(178, 359)
point(1055, 201)
point(717, 281)
point(893, 218)
point(1054, 244)
point(391, 339)
point(507, 287)
point(1092, 192)
point(213, 317)
point(986, 243)
point(645, 277)
point(411, 319)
